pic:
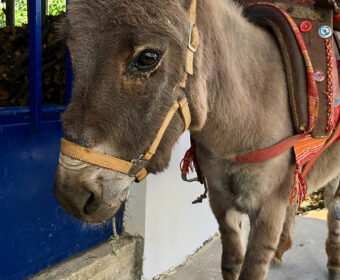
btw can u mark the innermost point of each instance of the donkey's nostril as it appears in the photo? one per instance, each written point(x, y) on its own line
point(92, 204)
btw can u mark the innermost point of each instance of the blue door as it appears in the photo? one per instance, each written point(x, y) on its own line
point(34, 231)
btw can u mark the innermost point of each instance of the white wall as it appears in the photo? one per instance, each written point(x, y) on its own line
point(160, 210)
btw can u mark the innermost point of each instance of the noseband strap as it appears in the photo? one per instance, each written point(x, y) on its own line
point(135, 168)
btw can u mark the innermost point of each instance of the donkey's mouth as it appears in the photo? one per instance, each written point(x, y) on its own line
point(101, 214)
point(91, 194)
point(92, 212)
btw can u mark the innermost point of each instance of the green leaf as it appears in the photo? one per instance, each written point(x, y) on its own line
point(21, 17)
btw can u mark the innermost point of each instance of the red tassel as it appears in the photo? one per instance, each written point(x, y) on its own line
point(187, 163)
point(299, 188)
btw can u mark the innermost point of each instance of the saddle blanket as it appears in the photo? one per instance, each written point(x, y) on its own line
point(309, 50)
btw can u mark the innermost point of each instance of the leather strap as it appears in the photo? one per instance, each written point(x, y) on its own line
point(136, 167)
point(271, 152)
point(276, 150)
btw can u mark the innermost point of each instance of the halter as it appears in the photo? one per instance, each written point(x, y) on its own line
point(137, 167)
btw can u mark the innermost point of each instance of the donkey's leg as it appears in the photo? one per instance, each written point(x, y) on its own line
point(286, 239)
point(266, 227)
point(229, 221)
point(333, 240)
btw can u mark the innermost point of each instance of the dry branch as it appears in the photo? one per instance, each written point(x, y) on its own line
point(14, 65)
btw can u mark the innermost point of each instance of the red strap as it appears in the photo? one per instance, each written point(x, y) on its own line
point(271, 152)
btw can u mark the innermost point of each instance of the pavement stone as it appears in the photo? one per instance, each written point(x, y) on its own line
point(305, 261)
point(317, 214)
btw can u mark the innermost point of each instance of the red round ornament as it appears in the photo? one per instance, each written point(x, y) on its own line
point(305, 26)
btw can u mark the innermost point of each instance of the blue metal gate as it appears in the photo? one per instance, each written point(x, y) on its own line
point(34, 231)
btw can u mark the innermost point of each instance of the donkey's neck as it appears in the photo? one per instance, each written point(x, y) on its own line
point(247, 94)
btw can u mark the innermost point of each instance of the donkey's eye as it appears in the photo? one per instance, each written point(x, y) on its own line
point(148, 59)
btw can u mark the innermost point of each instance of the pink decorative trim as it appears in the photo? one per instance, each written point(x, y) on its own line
point(313, 96)
point(329, 93)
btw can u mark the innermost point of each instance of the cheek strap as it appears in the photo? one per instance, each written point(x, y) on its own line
point(135, 168)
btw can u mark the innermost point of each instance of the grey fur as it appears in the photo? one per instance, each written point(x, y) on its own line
point(239, 103)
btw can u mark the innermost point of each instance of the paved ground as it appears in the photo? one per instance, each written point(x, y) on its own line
point(305, 261)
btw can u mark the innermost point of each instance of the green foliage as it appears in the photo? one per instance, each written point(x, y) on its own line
point(2, 15)
point(55, 8)
point(20, 12)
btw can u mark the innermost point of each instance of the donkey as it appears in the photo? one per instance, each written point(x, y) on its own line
point(128, 59)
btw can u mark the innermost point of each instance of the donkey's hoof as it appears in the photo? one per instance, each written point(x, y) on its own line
point(276, 262)
point(333, 274)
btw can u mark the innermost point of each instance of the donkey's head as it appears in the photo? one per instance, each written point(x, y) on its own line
point(128, 59)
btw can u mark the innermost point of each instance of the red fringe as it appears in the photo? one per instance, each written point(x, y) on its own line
point(299, 188)
point(187, 163)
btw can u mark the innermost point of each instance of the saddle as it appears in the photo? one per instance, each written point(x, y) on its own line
point(309, 44)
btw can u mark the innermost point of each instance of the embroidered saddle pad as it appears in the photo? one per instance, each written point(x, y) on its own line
point(304, 32)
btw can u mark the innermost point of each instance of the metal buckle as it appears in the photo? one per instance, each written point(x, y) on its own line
point(185, 178)
point(192, 27)
point(138, 164)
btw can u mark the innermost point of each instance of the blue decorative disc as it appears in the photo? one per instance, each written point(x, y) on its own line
point(325, 32)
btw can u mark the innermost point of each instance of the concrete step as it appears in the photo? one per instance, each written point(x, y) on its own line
point(121, 260)
point(305, 261)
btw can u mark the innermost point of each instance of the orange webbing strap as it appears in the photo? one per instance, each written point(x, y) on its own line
point(152, 149)
point(192, 11)
point(185, 113)
point(141, 175)
point(192, 44)
point(93, 157)
point(90, 156)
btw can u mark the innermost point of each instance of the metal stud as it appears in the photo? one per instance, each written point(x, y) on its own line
point(325, 32)
point(306, 26)
point(319, 76)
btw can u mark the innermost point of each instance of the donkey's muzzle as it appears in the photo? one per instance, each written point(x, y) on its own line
point(90, 194)
point(83, 202)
